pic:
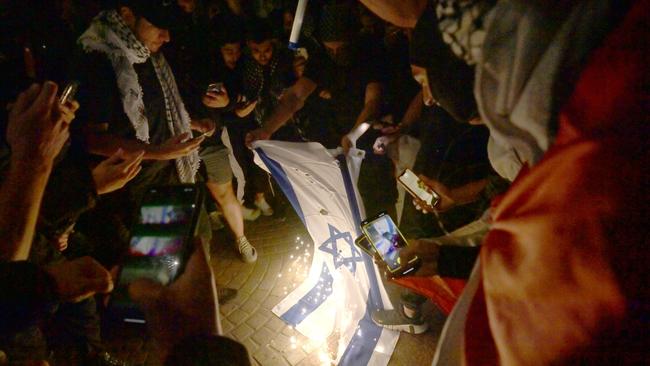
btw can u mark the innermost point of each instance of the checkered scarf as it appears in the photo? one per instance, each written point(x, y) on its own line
point(109, 34)
point(461, 25)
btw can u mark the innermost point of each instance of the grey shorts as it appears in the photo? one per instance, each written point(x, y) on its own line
point(216, 163)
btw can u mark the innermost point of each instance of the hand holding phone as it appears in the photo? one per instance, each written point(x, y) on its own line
point(419, 189)
point(69, 92)
point(388, 242)
point(160, 245)
point(216, 96)
point(215, 88)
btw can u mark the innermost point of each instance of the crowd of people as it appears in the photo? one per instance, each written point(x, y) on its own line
point(531, 120)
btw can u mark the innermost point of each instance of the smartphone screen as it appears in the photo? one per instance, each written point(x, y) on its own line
point(160, 242)
point(386, 240)
point(416, 187)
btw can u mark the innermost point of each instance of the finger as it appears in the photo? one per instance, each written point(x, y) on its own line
point(133, 173)
point(47, 96)
point(101, 285)
point(73, 105)
point(180, 138)
point(131, 162)
point(115, 158)
point(191, 144)
point(25, 99)
point(97, 278)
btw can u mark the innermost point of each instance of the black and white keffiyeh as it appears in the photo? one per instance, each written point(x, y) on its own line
point(109, 35)
point(461, 25)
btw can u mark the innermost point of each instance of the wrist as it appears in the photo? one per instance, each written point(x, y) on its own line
point(32, 165)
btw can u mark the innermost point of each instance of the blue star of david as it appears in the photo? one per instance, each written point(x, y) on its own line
point(330, 246)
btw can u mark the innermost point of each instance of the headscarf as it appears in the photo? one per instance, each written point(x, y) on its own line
point(530, 60)
point(450, 79)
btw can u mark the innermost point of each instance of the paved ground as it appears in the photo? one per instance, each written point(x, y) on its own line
point(283, 247)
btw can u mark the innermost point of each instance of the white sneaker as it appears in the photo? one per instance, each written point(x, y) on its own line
point(264, 206)
point(250, 214)
point(247, 251)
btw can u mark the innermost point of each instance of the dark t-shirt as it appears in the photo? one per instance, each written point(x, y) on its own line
point(100, 102)
point(347, 84)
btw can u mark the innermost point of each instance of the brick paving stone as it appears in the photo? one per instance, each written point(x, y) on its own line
point(228, 308)
point(250, 306)
point(237, 317)
point(280, 342)
point(226, 325)
point(250, 286)
point(275, 324)
point(264, 354)
point(263, 336)
point(271, 301)
point(242, 332)
point(258, 319)
point(250, 345)
point(311, 360)
point(259, 295)
point(295, 356)
point(268, 282)
point(288, 331)
point(239, 280)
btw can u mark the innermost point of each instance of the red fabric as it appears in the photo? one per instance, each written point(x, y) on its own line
point(442, 291)
point(564, 266)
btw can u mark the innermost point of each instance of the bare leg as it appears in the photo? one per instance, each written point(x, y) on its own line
point(225, 196)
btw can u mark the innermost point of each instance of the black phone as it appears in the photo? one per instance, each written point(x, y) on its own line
point(160, 245)
point(388, 241)
point(69, 92)
point(363, 243)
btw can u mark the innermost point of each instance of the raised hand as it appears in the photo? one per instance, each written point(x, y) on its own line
point(79, 279)
point(175, 147)
point(38, 124)
point(113, 173)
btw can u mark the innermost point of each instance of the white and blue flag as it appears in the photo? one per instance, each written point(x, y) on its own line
point(343, 286)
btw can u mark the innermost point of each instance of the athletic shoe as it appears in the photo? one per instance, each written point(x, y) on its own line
point(264, 206)
point(250, 214)
point(247, 251)
point(225, 294)
point(396, 320)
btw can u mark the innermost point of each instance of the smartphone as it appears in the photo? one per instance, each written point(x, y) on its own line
point(160, 245)
point(388, 241)
point(69, 92)
point(215, 88)
point(363, 243)
point(417, 188)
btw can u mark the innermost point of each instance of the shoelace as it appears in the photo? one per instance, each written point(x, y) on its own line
point(245, 246)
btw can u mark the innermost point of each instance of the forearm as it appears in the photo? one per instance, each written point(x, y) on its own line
point(468, 193)
point(413, 112)
point(370, 112)
point(107, 144)
point(289, 104)
point(20, 200)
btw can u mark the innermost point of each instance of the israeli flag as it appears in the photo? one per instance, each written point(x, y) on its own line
point(343, 286)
